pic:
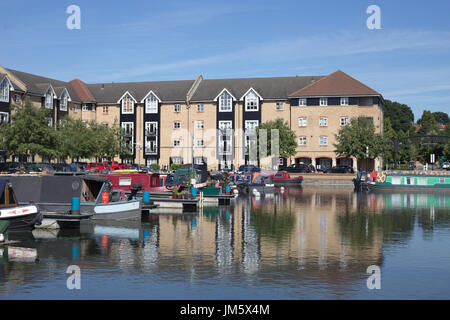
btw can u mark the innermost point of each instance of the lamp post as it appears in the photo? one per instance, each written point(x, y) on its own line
point(367, 158)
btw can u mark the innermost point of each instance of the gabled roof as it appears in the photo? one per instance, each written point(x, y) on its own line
point(42, 89)
point(35, 84)
point(126, 93)
point(223, 90)
point(248, 91)
point(267, 88)
point(336, 84)
point(60, 91)
point(82, 90)
point(148, 94)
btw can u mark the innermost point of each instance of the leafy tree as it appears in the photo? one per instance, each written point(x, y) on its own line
point(287, 137)
point(353, 139)
point(428, 126)
point(76, 139)
point(441, 117)
point(28, 133)
point(400, 115)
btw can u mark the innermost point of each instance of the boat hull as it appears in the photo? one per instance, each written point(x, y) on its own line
point(23, 222)
point(287, 182)
point(114, 210)
point(380, 187)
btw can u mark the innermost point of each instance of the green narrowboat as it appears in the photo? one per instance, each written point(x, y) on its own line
point(436, 181)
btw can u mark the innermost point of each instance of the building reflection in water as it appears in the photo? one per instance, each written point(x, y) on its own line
point(325, 234)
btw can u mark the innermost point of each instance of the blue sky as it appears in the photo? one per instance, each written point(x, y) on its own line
point(408, 60)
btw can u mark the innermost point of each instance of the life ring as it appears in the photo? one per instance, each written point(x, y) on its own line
point(381, 177)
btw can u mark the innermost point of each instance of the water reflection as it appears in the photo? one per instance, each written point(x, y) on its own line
point(309, 241)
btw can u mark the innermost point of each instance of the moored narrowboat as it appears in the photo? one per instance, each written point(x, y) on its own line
point(436, 181)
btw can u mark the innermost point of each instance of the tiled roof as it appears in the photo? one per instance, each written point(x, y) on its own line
point(38, 85)
point(336, 84)
point(82, 90)
point(165, 90)
point(268, 88)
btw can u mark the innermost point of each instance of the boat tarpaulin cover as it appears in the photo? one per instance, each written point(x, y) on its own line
point(51, 189)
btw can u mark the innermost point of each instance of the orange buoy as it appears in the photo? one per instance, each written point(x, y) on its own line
point(105, 196)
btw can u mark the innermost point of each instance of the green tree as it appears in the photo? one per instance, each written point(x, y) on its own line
point(400, 115)
point(352, 140)
point(76, 139)
point(287, 137)
point(441, 117)
point(428, 126)
point(28, 133)
point(389, 135)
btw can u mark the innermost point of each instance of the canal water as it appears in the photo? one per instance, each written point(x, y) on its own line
point(310, 243)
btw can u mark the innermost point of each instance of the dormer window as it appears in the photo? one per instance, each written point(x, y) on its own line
point(63, 102)
point(127, 104)
point(49, 99)
point(225, 102)
point(4, 91)
point(251, 102)
point(323, 102)
point(151, 104)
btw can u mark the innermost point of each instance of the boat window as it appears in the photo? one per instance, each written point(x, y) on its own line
point(396, 180)
point(422, 181)
point(12, 197)
point(279, 175)
point(408, 180)
point(441, 180)
point(124, 181)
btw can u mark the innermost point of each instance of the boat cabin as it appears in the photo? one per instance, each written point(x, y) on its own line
point(8, 198)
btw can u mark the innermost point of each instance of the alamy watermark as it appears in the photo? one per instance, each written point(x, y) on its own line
point(374, 20)
point(74, 20)
point(374, 281)
point(74, 280)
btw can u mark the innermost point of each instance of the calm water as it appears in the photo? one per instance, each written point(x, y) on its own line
point(303, 243)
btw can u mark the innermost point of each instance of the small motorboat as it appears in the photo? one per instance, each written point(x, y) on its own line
point(20, 217)
point(256, 182)
point(282, 178)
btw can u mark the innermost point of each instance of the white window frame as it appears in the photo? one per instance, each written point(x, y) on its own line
point(75, 108)
point(17, 98)
point(200, 107)
point(105, 108)
point(302, 140)
point(250, 125)
point(302, 102)
point(200, 124)
point(323, 141)
point(200, 143)
point(129, 98)
point(4, 117)
point(49, 99)
point(323, 122)
point(177, 124)
point(344, 101)
point(151, 104)
point(124, 125)
point(225, 102)
point(177, 143)
point(323, 102)
point(177, 108)
point(303, 122)
point(343, 121)
point(148, 126)
point(226, 124)
point(64, 101)
point(177, 160)
point(251, 101)
point(4, 90)
point(148, 144)
point(84, 107)
point(279, 105)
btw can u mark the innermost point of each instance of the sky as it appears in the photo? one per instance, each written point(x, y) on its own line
point(407, 60)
